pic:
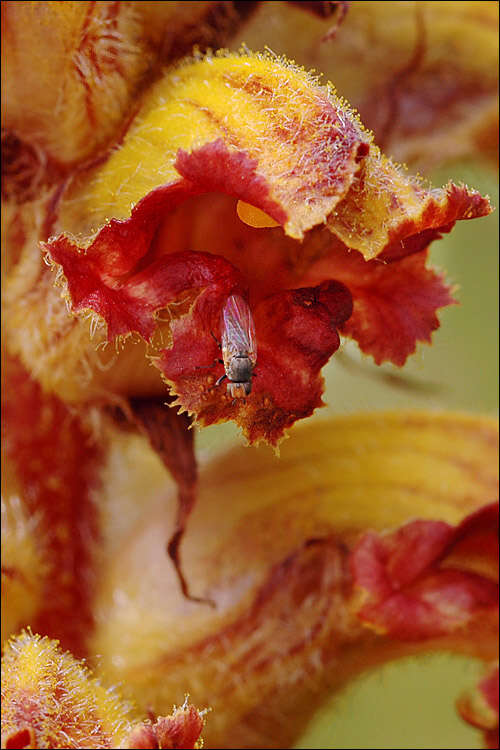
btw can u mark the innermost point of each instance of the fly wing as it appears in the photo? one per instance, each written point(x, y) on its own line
point(238, 329)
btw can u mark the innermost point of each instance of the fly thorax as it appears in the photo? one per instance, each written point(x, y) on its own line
point(240, 368)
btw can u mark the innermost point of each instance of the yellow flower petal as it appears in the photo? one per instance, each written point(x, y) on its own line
point(296, 131)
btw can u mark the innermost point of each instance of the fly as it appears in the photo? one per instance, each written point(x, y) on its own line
point(239, 346)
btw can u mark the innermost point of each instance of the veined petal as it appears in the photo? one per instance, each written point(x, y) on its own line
point(302, 143)
point(388, 214)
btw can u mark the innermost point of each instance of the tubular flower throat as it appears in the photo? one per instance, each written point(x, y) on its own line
point(241, 175)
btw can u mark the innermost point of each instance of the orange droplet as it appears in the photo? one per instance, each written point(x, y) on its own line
point(254, 217)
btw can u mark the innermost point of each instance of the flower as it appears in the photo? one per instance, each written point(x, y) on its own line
point(183, 203)
point(136, 238)
point(138, 264)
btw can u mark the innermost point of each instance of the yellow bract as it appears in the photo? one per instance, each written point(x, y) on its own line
point(71, 70)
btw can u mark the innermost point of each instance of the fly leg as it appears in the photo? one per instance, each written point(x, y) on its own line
point(215, 339)
point(222, 377)
point(217, 361)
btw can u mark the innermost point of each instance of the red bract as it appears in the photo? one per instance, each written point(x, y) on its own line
point(181, 730)
point(420, 581)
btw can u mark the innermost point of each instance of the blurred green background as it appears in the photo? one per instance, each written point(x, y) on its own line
point(406, 704)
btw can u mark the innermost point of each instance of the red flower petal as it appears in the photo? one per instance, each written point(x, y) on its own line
point(129, 303)
point(417, 582)
point(386, 214)
point(122, 278)
point(180, 730)
point(439, 212)
point(296, 335)
point(127, 278)
point(394, 304)
point(131, 270)
point(213, 168)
